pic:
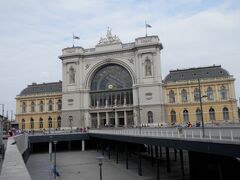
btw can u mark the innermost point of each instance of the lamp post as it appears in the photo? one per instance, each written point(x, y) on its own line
point(55, 158)
point(70, 118)
point(201, 108)
point(1, 125)
point(100, 159)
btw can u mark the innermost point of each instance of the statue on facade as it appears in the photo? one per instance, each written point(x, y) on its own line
point(109, 38)
point(71, 75)
point(148, 68)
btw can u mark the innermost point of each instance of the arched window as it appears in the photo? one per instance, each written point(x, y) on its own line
point(32, 106)
point(223, 92)
point(49, 122)
point(173, 117)
point(32, 123)
point(196, 94)
point(24, 106)
point(71, 75)
point(185, 115)
point(40, 123)
point(210, 93)
point(212, 114)
point(59, 104)
point(171, 96)
point(50, 105)
point(59, 122)
point(150, 117)
point(41, 106)
point(225, 114)
point(23, 124)
point(184, 95)
point(148, 68)
point(198, 115)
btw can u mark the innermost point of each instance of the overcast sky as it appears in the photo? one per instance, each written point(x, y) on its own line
point(33, 32)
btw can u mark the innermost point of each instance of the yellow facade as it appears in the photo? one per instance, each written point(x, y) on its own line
point(39, 111)
point(217, 107)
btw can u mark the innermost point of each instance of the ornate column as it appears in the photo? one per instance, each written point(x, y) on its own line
point(98, 120)
point(125, 118)
point(116, 119)
point(107, 118)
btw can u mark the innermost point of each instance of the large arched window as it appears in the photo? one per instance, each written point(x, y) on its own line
point(225, 114)
point(184, 95)
point(223, 93)
point(185, 115)
point(71, 75)
point(212, 114)
point(50, 105)
point(49, 122)
point(59, 104)
point(32, 123)
point(58, 122)
point(150, 117)
point(41, 106)
point(173, 117)
point(196, 94)
point(210, 94)
point(23, 124)
point(171, 96)
point(198, 115)
point(40, 123)
point(24, 107)
point(32, 106)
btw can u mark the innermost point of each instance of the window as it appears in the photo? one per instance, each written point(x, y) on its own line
point(150, 117)
point(24, 107)
point(173, 117)
point(23, 123)
point(50, 105)
point(32, 106)
point(184, 95)
point(41, 106)
point(212, 114)
point(49, 122)
point(225, 114)
point(198, 115)
point(32, 123)
point(185, 115)
point(148, 68)
point(223, 93)
point(171, 96)
point(59, 104)
point(71, 75)
point(210, 93)
point(59, 122)
point(40, 123)
point(196, 94)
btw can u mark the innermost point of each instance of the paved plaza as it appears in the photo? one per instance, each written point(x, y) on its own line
point(74, 165)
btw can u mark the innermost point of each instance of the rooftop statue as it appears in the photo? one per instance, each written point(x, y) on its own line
point(110, 39)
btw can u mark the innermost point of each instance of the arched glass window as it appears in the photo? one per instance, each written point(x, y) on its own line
point(196, 94)
point(171, 96)
point(50, 105)
point(148, 68)
point(32, 123)
point(173, 117)
point(40, 123)
point(210, 93)
point(41, 106)
point(59, 104)
point(49, 122)
point(212, 114)
point(23, 124)
point(150, 117)
point(184, 95)
point(185, 115)
point(225, 114)
point(71, 75)
point(198, 115)
point(32, 106)
point(59, 122)
point(223, 92)
point(24, 107)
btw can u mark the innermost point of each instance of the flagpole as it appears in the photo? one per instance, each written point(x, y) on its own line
point(146, 28)
point(73, 39)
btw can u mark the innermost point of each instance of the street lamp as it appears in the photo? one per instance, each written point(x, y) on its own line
point(55, 152)
point(70, 118)
point(100, 159)
point(201, 108)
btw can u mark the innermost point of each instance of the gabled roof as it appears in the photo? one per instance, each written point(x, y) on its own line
point(54, 87)
point(196, 73)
